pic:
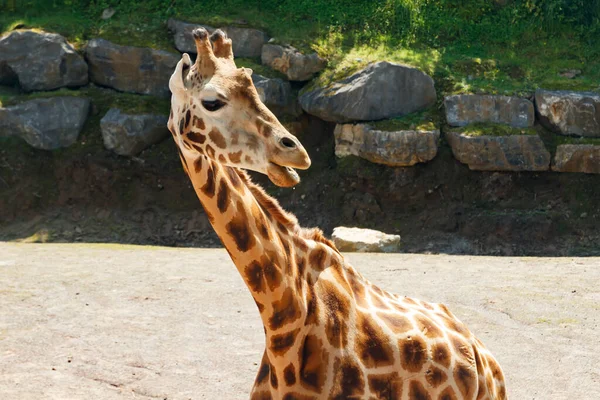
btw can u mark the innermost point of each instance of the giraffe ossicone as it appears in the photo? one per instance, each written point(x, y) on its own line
point(329, 333)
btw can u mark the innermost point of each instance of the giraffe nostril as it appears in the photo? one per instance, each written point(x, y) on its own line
point(288, 143)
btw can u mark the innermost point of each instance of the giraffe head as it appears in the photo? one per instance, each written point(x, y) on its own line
point(216, 111)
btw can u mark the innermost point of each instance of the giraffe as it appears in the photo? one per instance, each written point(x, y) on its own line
point(329, 332)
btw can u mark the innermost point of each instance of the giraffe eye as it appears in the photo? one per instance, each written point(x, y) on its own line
point(213, 105)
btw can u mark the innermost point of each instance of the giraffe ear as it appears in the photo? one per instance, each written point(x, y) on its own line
point(177, 80)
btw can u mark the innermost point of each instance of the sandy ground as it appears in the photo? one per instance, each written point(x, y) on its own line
point(125, 322)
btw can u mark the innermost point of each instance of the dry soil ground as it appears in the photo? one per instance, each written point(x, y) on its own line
point(125, 322)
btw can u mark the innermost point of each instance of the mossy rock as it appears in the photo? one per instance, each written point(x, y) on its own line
point(489, 129)
point(419, 121)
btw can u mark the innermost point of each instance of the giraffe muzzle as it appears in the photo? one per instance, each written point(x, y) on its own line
point(289, 154)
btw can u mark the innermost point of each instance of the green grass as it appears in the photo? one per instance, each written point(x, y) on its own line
point(420, 121)
point(258, 68)
point(491, 129)
point(553, 140)
point(474, 46)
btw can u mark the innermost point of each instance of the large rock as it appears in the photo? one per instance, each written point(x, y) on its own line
point(381, 90)
point(500, 153)
point(46, 124)
point(364, 240)
point(247, 42)
point(569, 113)
point(397, 149)
point(130, 69)
point(465, 109)
point(577, 158)
point(277, 95)
point(40, 61)
point(128, 135)
point(289, 61)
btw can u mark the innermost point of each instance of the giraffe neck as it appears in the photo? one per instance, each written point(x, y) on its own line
point(258, 236)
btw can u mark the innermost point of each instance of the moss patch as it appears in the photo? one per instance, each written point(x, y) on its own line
point(420, 121)
point(258, 68)
point(490, 129)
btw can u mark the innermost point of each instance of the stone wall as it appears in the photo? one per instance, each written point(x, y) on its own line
point(485, 132)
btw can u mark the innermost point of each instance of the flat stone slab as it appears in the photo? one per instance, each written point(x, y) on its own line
point(40, 61)
point(500, 153)
point(129, 134)
point(381, 90)
point(359, 240)
point(135, 322)
point(139, 70)
point(46, 123)
point(394, 148)
point(246, 42)
point(465, 109)
point(577, 158)
point(569, 113)
point(289, 61)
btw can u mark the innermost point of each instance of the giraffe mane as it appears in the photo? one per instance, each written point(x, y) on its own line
point(274, 209)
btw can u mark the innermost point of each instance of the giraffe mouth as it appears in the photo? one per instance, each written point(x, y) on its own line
point(282, 176)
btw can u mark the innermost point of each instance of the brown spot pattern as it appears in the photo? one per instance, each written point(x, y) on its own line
point(273, 274)
point(234, 178)
point(198, 164)
point(397, 323)
point(386, 386)
point(312, 306)
point(429, 328)
point(462, 349)
point(338, 309)
point(435, 376)
point(300, 244)
point(209, 186)
point(378, 301)
point(217, 138)
point(348, 382)
point(196, 137)
point(417, 391)
point(223, 196)
point(264, 369)
point(274, 382)
point(448, 394)
point(372, 345)
point(316, 259)
point(412, 353)
point(297, 396)
point(254, 277)
point(441, 354)
point(198, 122)
point(285, 311)
point(188, 115)
point(238, 229)
point(289, 375)
point(465, 379)
point(260, 221)
point(358, 291)
point(313, 363)
point(262, 271)
point(236, 157)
